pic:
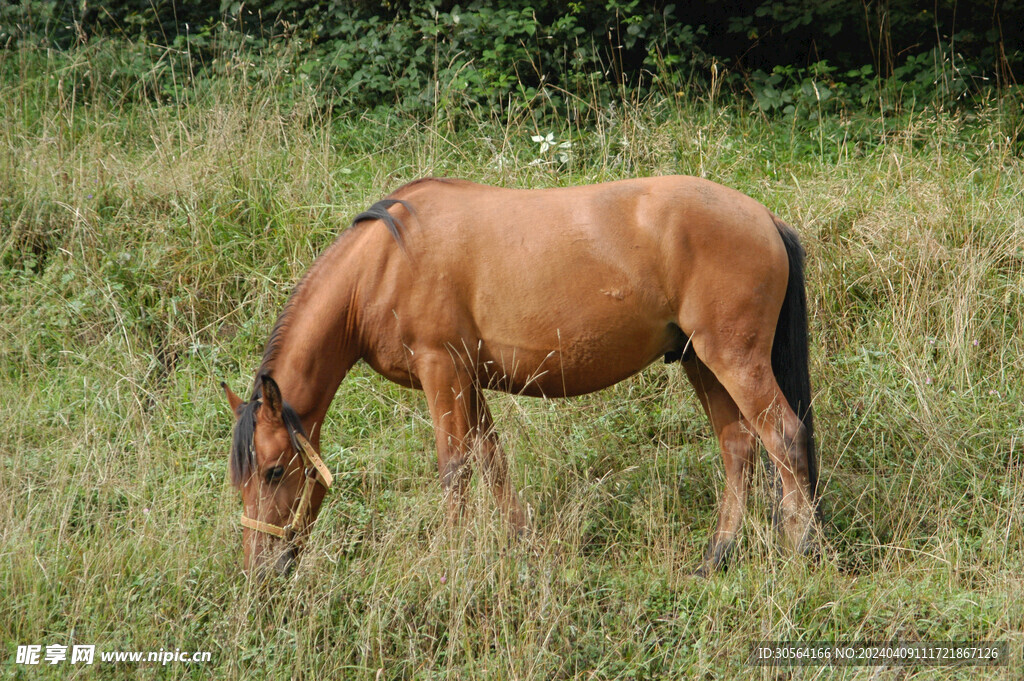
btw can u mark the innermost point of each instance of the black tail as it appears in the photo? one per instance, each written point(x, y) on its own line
point(789, 350)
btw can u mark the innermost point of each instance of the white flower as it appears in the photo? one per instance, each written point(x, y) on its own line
point(563, 153)
point(546, 142)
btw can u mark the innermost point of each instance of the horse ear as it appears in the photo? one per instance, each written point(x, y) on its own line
point(234, 400)
point(273, 403)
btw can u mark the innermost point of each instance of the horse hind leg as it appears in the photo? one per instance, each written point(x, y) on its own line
point(734, 341)
point(752, 385)
point(737, 443)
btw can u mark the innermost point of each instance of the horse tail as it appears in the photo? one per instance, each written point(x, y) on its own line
point(789, 349)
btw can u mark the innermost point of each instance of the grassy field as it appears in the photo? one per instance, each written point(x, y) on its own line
point(147, 245)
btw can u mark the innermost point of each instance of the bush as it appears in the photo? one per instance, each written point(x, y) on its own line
point(437, 57)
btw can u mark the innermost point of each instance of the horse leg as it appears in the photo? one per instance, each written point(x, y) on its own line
point(495, 466)
point(736, 440)
point(448, 396)
point(744, 369)
point(785, 438)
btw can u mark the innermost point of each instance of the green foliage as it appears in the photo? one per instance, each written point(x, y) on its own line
point(429, 60)
point(437, 58)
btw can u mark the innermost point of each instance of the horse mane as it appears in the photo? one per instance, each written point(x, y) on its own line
point(274, 341)
point(243, 456)
point(378, 211)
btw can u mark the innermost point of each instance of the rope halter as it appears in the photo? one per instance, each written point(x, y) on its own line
point(314, 471)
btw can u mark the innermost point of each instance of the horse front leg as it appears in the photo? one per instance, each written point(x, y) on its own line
point(463, 430)
point(495, 465)
point(447, 393)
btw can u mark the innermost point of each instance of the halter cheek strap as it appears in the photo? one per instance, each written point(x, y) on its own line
point(314, 472)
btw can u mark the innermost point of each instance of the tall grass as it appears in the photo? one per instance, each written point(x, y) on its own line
point(147, 243)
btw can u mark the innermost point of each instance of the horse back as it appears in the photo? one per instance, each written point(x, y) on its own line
point(562, 290)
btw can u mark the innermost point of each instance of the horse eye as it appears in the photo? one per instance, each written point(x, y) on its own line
point(275, 474)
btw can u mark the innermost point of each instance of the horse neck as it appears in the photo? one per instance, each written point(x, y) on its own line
point(316, 345)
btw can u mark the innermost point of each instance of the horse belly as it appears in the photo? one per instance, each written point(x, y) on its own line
point(572, 358)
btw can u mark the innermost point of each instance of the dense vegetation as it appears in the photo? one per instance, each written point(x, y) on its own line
point(418, 55)
point(158, 199)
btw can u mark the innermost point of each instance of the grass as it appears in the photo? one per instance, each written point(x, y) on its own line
point(146, 247)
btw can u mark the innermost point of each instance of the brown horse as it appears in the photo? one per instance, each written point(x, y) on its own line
point(450, 287)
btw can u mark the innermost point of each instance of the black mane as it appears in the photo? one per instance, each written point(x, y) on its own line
point(379, 211)
point(243, 457)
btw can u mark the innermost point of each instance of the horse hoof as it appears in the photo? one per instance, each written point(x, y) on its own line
point(703, 572)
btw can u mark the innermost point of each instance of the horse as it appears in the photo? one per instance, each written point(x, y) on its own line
point(453, 288)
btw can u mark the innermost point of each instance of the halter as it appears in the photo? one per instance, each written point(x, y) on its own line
point(314, 471)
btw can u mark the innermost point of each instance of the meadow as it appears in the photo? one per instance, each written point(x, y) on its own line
point(148, 242)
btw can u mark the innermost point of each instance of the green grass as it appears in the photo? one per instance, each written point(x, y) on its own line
point(145, 249)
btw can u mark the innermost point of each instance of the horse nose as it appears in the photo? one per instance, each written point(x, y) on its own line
point(286, 562)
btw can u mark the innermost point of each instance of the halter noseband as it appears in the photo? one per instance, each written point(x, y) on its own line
point(314, 471)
